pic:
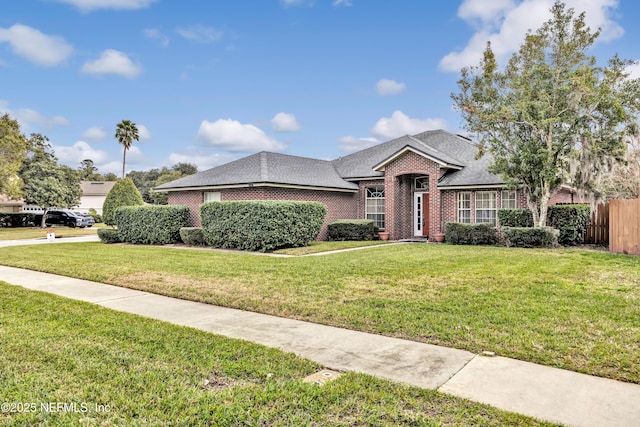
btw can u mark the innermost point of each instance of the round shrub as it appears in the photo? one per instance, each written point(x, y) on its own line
point(192, 236)
point(123, 193)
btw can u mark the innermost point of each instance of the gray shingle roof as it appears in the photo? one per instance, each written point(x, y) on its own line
point(273, 168)
point(266, 167)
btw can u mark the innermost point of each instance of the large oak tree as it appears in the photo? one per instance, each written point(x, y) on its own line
point(552, 115)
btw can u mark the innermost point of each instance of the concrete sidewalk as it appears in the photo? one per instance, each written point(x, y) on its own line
point(539, 391)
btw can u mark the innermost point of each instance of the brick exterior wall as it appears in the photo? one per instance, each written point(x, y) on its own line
point(340, 205)
point(399, 176)
point(399, 198)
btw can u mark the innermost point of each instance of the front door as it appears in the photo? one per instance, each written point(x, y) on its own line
point(421, 214)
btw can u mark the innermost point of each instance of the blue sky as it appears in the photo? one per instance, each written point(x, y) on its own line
point(212, 81)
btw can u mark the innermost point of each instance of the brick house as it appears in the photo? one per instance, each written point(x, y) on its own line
point(410, 186)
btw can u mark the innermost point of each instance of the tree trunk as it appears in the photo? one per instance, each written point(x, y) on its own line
point(544, 206)
point(124, 159)
point(44, 215)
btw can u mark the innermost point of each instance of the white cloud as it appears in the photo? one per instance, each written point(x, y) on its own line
point(287, 3)
point(89, 5)
point(400, 124)
point(73, 155)
point(94, 134)
point(154, 33)
point(143, 132)
point(346, 3)
point(203, 162)
point(283, 122)
point(36, 47)
point(113, 62)
point(505, 23)
point(29, 118)
point(351, 144)
point(200, 34)
point(634, 70)
point(389, 87)
point(234, 136)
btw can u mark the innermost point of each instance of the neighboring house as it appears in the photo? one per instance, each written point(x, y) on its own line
point(7, 205)
point(94, 194)
point(410, 186)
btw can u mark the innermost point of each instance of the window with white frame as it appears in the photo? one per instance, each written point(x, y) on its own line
point(508, 199)
point(212, 196)
point(422, 184)
point(464, 207)
point(486, 207)
point(375, 206)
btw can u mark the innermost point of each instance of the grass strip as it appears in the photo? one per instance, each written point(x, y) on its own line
point(113, 368)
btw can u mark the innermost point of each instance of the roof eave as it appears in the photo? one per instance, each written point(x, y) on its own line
point(256, 184)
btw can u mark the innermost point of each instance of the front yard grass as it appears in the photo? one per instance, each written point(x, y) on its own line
point(316, 247)
point(572, 309)
point(20, 233)
point(113, 368)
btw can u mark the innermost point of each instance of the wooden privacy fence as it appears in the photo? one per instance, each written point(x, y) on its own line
point(624, 226)
point(597, 231)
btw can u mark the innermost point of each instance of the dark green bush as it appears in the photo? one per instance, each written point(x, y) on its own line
point(123, 193)
point(192, 236)
point(261, 225)
point(20, 219)
point(571, 220)
point(351, 229)
point(470, 234)
point(109, 235)
point(530, 237)
point(515, 218)
point(151, 225)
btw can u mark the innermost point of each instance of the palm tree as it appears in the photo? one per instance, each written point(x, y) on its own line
point(126, 133)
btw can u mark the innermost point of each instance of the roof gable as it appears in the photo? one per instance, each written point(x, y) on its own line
point(455, 154)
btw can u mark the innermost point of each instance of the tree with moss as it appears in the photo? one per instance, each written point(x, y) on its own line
point(47, 184)
point(13, 151)
point(552, 115)
point(123, 193)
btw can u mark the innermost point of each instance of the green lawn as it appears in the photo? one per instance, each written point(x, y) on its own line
point(20, 233)
point(318, 247)
point(121, 369)
point(573, 309)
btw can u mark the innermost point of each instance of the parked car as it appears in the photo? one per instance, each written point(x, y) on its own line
point(65, 217)
point(89, 218)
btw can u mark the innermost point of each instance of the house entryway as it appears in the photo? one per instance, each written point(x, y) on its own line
point(421, 214)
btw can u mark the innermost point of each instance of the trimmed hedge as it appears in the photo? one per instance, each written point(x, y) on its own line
point(571, 220)
point(530, 237)
point(192, 236)
point(261, 225)
point(19, 219)
point(351, 229)
point(515, 218)
point(151, 225)
point(109, 235)
point(470, 234)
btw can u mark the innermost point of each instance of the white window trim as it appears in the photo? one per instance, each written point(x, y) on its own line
point(380, 223)
point(493, 209)
point(462, 209)
point(514, 198)
point(211, 196)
